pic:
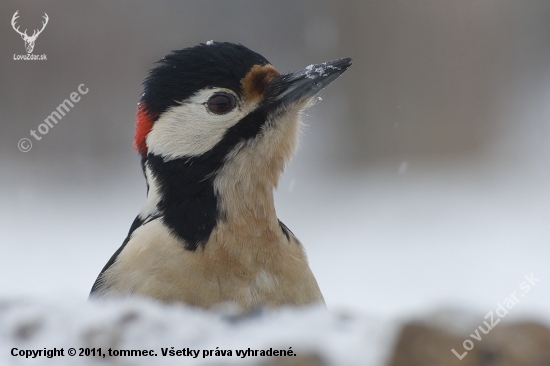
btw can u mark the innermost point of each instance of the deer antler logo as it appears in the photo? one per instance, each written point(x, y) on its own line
point(29, 40)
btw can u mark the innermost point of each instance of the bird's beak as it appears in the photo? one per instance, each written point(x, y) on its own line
point(302, 85)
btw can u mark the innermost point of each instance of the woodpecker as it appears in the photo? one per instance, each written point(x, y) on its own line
point(215, 127)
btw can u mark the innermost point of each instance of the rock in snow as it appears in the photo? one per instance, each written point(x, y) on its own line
point(143, 332)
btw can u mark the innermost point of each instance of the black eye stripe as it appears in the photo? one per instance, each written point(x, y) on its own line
point(221, 103)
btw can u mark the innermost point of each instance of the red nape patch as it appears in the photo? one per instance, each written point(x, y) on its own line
point(144, 124)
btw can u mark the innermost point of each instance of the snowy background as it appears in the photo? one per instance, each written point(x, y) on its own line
point(422, 181)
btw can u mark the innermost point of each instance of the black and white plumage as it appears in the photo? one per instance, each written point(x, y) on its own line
point(216, 125)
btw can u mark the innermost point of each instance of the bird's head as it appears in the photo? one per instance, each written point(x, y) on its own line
point(219, 115)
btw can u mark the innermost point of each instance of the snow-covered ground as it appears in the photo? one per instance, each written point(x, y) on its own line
point(337, 338)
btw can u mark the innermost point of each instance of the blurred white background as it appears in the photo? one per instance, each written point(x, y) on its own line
point(422, 179)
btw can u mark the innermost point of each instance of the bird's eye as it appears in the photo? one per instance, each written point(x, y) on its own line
point(221, 103)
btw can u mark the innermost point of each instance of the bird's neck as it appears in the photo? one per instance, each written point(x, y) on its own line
point(245, 183)
point(235, 189)
point(193, 200)
point(246, 200)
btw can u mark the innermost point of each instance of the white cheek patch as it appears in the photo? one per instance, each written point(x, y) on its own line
point(190, 129)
